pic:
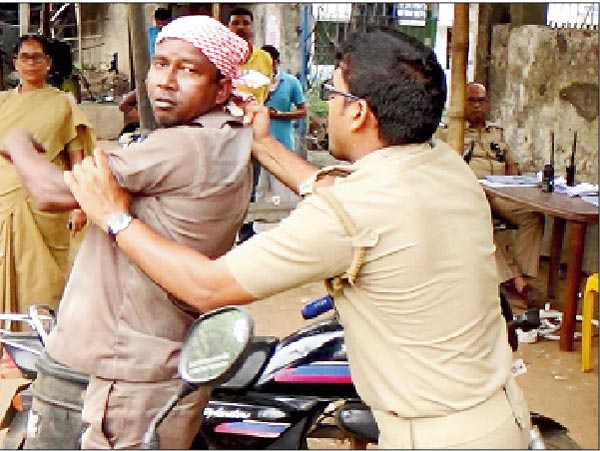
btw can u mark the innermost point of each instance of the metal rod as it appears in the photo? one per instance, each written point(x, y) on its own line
point(61, 9)
point(574, 149)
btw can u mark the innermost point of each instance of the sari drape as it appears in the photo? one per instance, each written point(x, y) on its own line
point(36, 243)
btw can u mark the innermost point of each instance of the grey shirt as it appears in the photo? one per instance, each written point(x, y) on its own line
point(191, 184)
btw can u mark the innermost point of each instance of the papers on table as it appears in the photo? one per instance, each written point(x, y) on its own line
point(591, 200)
point(581, 189)
point(509, 180)
point(586, 191)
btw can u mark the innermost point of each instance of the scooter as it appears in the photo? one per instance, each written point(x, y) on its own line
point(285, 392)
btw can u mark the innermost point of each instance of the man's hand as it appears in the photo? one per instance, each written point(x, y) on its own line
point(128, 102)
point(512, 169)
point(258, 116)
point(262, 140)
point(77, 220)
point(96, 189)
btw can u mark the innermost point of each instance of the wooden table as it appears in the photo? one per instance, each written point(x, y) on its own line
point(563, 209)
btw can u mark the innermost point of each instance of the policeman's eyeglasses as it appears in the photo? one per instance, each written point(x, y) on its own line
point(328, 92)
point(477, 99)
point(35, 58)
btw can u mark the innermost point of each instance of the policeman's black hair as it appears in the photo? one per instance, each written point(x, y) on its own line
point(401, 80)
point(43, 41)
point(271, 50)
point(239, 11)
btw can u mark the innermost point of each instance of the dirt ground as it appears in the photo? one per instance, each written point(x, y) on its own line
point(554, 384)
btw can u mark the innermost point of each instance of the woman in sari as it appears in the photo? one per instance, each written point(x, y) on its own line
point(35, 243)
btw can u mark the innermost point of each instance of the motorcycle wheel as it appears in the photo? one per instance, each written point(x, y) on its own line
point(559, 440)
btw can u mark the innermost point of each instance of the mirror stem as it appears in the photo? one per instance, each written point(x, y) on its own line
point(150, 439)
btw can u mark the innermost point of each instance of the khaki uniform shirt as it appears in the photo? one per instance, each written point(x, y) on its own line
point(190, 184)
point(485, 160)
point(423, 328)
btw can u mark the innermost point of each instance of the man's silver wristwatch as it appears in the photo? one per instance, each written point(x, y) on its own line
point(117, 222)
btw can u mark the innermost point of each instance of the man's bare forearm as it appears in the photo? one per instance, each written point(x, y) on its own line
point(284, 164)
point(42, 179)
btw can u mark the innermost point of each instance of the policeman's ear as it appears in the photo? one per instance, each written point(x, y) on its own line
point(361, 113)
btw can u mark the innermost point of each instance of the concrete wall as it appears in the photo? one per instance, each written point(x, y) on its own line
point(104, 32)
point(544, 80)
point(547, 80)
point(278, 24)
point(106, 119)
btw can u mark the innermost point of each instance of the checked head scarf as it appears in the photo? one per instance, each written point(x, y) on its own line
point(226, 50)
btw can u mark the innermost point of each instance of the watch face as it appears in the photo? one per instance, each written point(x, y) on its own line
point(118, 222)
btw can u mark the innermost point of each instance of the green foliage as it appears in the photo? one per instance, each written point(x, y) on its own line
point(316, 106)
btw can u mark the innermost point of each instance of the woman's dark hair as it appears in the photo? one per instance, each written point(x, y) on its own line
point(32, 37)
point(401, 79)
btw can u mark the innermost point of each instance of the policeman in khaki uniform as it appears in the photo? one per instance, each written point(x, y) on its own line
point(403, 236)
point(488, 154)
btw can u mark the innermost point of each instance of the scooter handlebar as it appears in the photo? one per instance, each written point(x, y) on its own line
point(317, 307)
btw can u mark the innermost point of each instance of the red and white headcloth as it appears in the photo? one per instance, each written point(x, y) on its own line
point(226, 50)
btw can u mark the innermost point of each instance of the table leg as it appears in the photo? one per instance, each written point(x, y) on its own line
point(558, 231)
point(574, 262)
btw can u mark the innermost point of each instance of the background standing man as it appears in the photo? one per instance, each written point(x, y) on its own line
point(241, 22)
point(286, 104)
point(162, 16)
point(190, 181)
point(427, 346)
point(258, 72)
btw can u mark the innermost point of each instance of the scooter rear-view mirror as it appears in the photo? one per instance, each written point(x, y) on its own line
point(215, 344)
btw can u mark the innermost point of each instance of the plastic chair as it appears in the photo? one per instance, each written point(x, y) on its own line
point(590, 295)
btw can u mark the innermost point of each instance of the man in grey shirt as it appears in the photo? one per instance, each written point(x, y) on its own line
point(190, 181)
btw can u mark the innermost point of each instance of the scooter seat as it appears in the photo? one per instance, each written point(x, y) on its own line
point(24, 349)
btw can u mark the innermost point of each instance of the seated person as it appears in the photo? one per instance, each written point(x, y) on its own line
point(488, 154)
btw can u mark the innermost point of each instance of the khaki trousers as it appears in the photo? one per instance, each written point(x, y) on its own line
point(118, 413)
point(521, 254)
point(501, 422)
